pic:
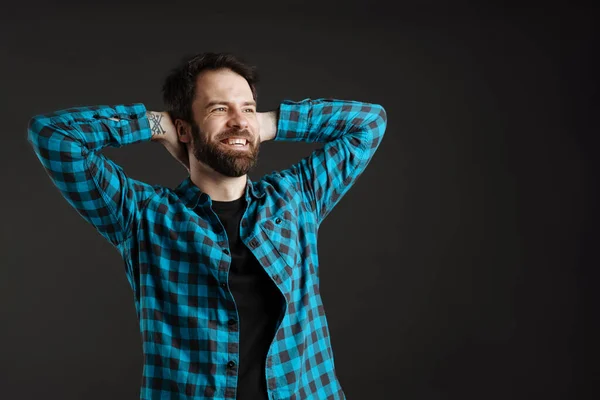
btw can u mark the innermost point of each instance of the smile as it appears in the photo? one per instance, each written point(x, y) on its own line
point(235, 143)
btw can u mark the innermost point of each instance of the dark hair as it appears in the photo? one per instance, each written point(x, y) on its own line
point(179, 87)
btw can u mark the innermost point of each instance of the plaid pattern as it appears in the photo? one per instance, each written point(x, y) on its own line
point(176, 250)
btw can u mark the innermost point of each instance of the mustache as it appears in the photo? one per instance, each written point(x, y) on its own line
point(241, 133)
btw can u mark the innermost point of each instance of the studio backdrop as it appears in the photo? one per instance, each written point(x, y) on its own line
point(459, 264)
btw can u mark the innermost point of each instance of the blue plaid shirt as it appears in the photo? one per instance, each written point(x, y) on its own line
point(176, 251)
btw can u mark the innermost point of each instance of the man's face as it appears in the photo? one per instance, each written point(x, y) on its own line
point(225, 114)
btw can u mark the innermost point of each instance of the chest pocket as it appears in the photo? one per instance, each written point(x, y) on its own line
point(282, 232)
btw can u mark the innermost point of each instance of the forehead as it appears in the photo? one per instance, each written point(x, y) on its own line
point(222, 84)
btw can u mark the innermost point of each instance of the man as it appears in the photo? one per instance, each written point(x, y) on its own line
point(224, 270)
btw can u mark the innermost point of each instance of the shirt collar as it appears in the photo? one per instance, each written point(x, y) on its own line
point(193, 196)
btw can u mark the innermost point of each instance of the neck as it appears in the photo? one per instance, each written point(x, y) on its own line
point(219, 187)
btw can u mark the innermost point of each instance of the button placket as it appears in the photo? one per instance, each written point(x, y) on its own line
point(223, 266)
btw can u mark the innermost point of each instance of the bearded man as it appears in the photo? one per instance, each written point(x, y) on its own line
point(224, 269)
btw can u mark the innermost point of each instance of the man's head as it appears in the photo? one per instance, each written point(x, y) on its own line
point(211, 99)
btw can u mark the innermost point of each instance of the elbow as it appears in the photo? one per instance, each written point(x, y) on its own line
point(381, 116)
point(378, 122)
point(34, 129)
point(40, 127)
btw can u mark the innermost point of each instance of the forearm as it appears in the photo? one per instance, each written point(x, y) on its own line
point(325, 120)
point(89, 128)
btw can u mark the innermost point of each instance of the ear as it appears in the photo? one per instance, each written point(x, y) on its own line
point(184, 131)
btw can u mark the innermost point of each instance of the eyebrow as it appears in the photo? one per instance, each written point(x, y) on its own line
point(214, 103)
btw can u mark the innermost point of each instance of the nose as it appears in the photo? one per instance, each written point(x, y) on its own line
point(237, 119)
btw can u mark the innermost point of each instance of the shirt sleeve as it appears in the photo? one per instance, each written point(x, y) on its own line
point(68, 144)
point(351, 131)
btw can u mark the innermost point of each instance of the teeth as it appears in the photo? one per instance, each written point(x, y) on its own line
point(236, 141)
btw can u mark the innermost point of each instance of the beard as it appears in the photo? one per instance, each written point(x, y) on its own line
point(228, 162)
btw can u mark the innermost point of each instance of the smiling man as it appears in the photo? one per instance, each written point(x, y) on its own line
point(224, 270)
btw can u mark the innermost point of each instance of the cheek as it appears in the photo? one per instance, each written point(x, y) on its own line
point(254, 127)
point(211, 128)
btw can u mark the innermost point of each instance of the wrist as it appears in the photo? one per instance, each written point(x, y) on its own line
point(157, 125)
point(268, 125)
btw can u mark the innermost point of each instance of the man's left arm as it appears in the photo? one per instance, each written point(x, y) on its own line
point(351, 131)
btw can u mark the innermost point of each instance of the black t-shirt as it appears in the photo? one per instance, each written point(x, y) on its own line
point(259, 304)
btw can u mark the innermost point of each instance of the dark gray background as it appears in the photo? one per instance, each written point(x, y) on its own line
point(461, 265)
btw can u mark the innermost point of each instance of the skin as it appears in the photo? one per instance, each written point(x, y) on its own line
point(223, 107)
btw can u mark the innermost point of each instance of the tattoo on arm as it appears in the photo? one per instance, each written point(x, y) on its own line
point(155, 119)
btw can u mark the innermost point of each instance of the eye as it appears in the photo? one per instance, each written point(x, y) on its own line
point(250, 110)
point(219, 109)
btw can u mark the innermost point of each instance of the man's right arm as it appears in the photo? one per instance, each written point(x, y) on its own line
point(68, 144)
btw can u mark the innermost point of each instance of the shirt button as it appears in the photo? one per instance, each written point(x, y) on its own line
point(230, 364)
point(232, 322)
point(278, 220)
point(253, 243)
point(223, 285)
point(226, 251)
